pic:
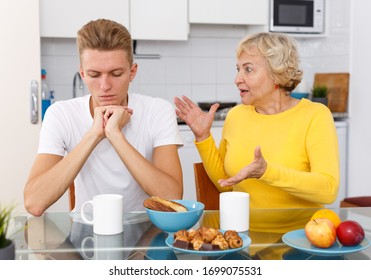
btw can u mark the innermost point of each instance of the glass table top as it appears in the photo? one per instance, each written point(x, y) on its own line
point(64, 236)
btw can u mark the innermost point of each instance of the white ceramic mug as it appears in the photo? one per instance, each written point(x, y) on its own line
point(234, 211)
point(103, 247)
point(107, 213)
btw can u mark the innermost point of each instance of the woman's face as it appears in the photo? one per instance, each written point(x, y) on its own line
point(253, 80)
point(107, 74)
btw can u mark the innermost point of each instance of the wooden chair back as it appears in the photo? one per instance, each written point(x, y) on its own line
point(357, 201)
point(206, 192)
point(71, 196)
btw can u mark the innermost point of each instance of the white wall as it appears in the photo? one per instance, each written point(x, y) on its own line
point(330, 54)
point(360, 102)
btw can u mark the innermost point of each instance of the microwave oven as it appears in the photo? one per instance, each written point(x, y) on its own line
point(297, 16)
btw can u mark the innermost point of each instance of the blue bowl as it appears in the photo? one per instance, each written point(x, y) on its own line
point(174, 221)
point(299, 95)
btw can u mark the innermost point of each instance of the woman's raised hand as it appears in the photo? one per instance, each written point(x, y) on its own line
point(198, 121)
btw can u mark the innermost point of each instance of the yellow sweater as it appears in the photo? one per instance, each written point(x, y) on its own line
point(300, 147)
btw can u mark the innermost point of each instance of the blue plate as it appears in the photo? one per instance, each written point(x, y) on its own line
point(245, 239)
point(298, 240)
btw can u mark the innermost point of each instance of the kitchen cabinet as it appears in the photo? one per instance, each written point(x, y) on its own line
point(145, 19)
point(245, 12)
point(188, 155)
point(159, 19)
point(342, 132)
point(64, 18)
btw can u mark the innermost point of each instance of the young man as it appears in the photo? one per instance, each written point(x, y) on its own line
point(110, 141)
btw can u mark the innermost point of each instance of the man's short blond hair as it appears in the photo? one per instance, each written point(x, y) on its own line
point(103, 34)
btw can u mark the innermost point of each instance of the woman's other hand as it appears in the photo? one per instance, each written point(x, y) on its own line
point(198, 121)
point(254, 170)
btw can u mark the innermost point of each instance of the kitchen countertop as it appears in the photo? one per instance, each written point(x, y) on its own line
point(183, 127)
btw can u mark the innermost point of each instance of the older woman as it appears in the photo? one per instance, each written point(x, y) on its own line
point(282, 151)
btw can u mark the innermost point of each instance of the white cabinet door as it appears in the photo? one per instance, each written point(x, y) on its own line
point(20, 63)
point(189, 155)
point(252, 12)
point(159, 19)
point(342, 132)
point(63, 18)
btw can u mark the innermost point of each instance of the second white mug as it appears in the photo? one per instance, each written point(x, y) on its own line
point(234, 211)
point(107, 213)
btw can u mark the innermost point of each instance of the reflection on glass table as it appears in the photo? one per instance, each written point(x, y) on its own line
point(65, 236)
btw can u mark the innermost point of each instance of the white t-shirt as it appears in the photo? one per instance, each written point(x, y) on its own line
point(152, 124)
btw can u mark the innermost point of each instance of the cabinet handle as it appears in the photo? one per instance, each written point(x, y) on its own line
point(34, 108)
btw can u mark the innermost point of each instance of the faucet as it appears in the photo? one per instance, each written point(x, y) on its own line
point(81, 84)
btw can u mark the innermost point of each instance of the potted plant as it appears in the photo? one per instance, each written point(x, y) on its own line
point(7, 246)
point(319, 94)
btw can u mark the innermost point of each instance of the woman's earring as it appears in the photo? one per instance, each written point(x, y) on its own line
point(276, 86)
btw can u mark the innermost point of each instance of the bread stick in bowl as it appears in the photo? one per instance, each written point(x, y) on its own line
point(160, 204)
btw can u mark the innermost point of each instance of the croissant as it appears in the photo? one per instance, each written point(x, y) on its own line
point(181, 235)
point(191, 234)
point(195, 239)
point(208, 234)
point(220, 242)
point(233, 239)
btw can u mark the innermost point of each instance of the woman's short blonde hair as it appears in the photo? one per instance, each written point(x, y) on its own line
point(280, 54)
point(105, 35)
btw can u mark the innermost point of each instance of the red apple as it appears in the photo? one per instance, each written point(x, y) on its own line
point(320, 232)
point(350, 233)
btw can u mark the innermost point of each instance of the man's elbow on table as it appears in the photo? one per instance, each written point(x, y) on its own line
point(35, 209)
